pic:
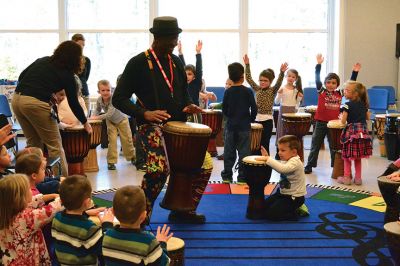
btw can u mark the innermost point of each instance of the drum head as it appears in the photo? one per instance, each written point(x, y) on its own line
point(296, 115)
point(187, 128)
point(393, 115)
point(256, 126)
point(209, 111)
point(380, 116)
point(251, 160)
point(311, 108)
point(175, 243)
point(383, 179)
point(392, 227)
point(335, 124)
point(75, 128)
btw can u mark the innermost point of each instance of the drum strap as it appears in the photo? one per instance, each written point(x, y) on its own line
point(151, 68)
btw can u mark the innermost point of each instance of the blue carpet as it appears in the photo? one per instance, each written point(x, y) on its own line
point(333, 234)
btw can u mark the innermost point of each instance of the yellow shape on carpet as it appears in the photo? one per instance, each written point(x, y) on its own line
point(373, 203)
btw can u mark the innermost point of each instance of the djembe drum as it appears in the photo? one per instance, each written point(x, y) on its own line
point(90, 162)
point(380, 120)
point(311, 109)
point(255, 137)
point(389, 191)
point(335, 128)
point(297, 124)
point(213, 119)
point(75, 142)
point(257, 175)
point(176, 251)
point(392, 149)
point(393, 239)
point(186, 145)
point(275, 114)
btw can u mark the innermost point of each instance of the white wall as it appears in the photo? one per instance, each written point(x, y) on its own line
point(369, 32)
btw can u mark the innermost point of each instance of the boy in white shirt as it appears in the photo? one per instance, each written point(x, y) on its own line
point(288, 201)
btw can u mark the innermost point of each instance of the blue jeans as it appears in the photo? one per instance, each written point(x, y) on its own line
point(320, 131)
point(235, 141)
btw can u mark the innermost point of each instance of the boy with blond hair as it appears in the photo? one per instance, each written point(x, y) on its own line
point(117, 122)
point(128, 244)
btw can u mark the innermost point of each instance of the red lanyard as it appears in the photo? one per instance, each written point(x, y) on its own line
point(169, 83)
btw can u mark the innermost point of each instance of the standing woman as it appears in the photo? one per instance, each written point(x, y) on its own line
point(35, 89)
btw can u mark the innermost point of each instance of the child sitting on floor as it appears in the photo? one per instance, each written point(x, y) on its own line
point(139, 247)
point(5, 161)
point(78, 239)
point(21, 240)
point(286, 202)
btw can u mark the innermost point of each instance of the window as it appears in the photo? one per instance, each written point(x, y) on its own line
point(270, 31)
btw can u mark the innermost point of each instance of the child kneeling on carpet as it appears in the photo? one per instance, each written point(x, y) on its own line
point(78, 239)
point(139, 247)
point(288, 201)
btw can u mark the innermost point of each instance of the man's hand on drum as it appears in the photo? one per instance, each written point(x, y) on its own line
point(163, 234)
point(264, 155)
point(88, 127)
point(192, 109)
point(156, 116)
point(5, 134)
point(394, 176)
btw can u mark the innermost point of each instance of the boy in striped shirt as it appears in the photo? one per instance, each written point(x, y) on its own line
point(78, 239)
point(127, 244)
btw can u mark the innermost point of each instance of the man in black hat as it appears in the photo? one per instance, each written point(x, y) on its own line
point(158, 79)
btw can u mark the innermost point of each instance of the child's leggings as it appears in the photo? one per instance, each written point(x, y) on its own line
point(347, 167)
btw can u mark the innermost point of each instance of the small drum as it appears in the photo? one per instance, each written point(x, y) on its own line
point(75, 142)
point(176, 251)
point(255, 137)
point(392, 148)
point(380, 120)
point(186, 145)
point(90, 163)
point(389, 191)
point(297, 124)
point(393, 239)
point(257, 175)
point(213, 119)
point(335, 128)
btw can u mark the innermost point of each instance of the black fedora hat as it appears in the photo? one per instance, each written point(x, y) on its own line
point(165, 26)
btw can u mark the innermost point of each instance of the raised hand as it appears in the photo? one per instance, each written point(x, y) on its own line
point(157, 116)
point(357, 67)
point(284, 67)
point(199, 46)
point(246, 59)
point(320, 59)
point(180, 47)
point(163, 234)
point(5, 134)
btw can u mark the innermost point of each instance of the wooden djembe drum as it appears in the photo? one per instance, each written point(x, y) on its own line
point(335, 128)
point(186, 145)
point(297, 124)
point(90, 162)
point(75, 142)
point(213, 119)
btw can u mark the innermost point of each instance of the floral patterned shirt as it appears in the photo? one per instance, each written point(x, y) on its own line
point(23, 243)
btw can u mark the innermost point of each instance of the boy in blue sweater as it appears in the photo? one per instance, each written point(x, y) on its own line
point(240, 109)
point(127, 244)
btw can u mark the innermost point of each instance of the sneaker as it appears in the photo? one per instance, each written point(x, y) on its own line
point(187, 217)
point(227, 180)
point(303, 211)
point(308, 170)
point(220, 157)
point(133, 161)
point(358, 181)
point(344, 180)
point(241, 180)
point(111, 166)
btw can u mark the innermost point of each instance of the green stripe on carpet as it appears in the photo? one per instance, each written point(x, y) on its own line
point(339, 196)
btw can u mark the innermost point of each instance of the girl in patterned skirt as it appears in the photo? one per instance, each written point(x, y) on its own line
point(357, 143)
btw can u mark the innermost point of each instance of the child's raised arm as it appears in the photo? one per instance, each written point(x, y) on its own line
point(354, 73)
point(247, 71)
point(318, 83)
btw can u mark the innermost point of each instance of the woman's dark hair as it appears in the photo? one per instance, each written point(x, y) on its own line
point(68, 55)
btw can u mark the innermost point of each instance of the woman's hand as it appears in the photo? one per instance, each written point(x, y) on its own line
point(156, 116)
